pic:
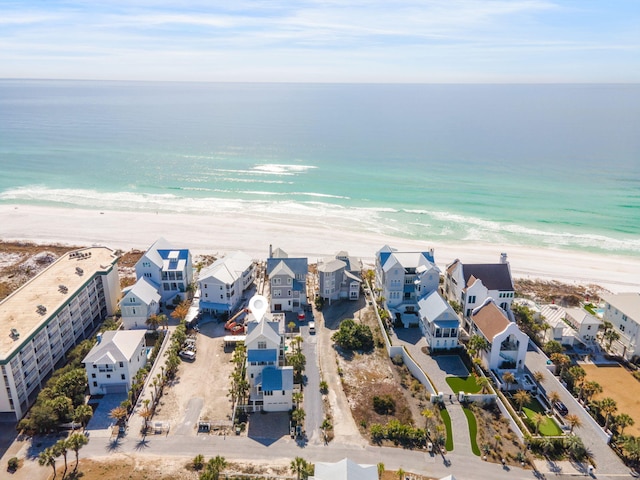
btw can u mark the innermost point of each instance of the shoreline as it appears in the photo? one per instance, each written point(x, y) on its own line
point(218, 233)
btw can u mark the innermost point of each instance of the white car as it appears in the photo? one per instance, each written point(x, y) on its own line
point(188, 355)
point(312, 328)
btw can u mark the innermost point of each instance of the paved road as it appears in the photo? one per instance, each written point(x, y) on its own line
point(312, 397)
point(591, 434)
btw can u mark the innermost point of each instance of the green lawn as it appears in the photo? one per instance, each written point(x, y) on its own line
point(548, 427)
point(447, 423)
point(473, 430)
point(463, 384)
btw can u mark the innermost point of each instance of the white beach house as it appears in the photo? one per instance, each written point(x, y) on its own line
point(507, 343)
point(168, 268)
point(223, 283)
point(471, 284)
point(405, 277)
point(623, 311)
point(114, 361)
point(140, 301)
point(439, 323)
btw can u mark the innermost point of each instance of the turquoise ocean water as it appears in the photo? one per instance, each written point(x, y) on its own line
point(532, 165)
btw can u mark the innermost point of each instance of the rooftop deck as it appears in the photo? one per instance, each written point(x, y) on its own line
point(31, 305)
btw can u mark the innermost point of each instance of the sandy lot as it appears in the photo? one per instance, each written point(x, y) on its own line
point(620, 385)
point(207, 379)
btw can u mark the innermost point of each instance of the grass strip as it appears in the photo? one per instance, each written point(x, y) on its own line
point(473, 430)
point(463, 384)
point(448, 444)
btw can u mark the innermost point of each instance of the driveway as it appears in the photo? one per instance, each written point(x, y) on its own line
point(592, 435)
point(312, 397)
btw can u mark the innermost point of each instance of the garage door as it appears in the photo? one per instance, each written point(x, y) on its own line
point(118, 388)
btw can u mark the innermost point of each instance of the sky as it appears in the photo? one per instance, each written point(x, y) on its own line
point(374, 41)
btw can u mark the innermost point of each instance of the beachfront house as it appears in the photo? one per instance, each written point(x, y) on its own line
point(270, 382)
point(47, 316)
point(402, 278)
point(168, 268)
point(622, 310)
point(471, 284)
point(583, 323)
point(223, 283)
point(287, 281)
point(112, 363)
point(345, 469)
point(507, 343)
point(439, 322)
point(140, 301)
point(339, 277)
point(558, 330)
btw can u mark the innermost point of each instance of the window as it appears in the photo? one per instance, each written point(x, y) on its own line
point(624, 317)
point(472, 299)
point(108, 375)
point(148, 275)
point(622, 328)
point(277, 292)
point(288, 280)
point(95, 384)
point(121, 364)
point(122, 376)
point(132, 300)
point(262, 345)
point(93, 375)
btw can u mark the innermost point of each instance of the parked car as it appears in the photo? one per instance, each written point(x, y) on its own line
point(561, 408)
point(301, 316)
point(188, 355)
point(312, 328)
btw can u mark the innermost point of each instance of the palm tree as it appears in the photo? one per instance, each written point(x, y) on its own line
point(153, 322)
point(62, 449)
point(573, 421)
point(538, 377)
point(400, 474)
point(521, 397)
point(82, 415)
point(590, 389)
point(608, 407)
point(298, 416)
point(48, 458)
point(380, 466)
point(623, 421)
point(215, 466)
point(484, 384)
point(578, 375)
point(553, 397)
point(547, 445)
point(560, 360)
point(476, 345)
point(538, 418)
point(75, 443)
point(632, 448)
point(299, 466)
point(611, 336)
point(509, 379)
point(118, 414)
point(576, 448)
point(146, 414)
point(297, 398)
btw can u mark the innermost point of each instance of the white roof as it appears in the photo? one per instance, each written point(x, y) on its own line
point(553, 314)
point(582, 317)
point(345, 469)
point(627, 303)
point(115, 346)
point(143, 290)
point(263, 328)
point(330, 265)
point(153, 255)
point(282, 269)
point(228, 269)
point(434, 307)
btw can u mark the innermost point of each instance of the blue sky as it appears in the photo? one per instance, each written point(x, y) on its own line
point(420, 41)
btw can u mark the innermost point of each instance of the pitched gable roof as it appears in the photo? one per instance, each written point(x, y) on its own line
point(153, 255)
point(331, 265)
point(117, 345)
point(434, 307)
point(229, 268)
point(490, 319)
point(263, 328)
point(298, 266)
point(145, 291)
point(627, 303)
point(494, 276)
point(345, 469)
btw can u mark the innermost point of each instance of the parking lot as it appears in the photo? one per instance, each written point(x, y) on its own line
point(200, 389)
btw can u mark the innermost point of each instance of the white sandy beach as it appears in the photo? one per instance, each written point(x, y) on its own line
point(217, 233)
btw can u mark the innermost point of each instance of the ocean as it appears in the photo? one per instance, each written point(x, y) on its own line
point(530, 165)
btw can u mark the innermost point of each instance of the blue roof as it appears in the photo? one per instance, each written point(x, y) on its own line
point(262, 355)
point(182, 254)
point(384, 256)
point(428, 256)
point(299, 266)
point(277, 379)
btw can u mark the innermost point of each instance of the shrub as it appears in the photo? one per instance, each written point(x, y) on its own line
point(397, 359)
point(12, 464)
point(198, 462)
point(354, 336)
point(384, 405)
